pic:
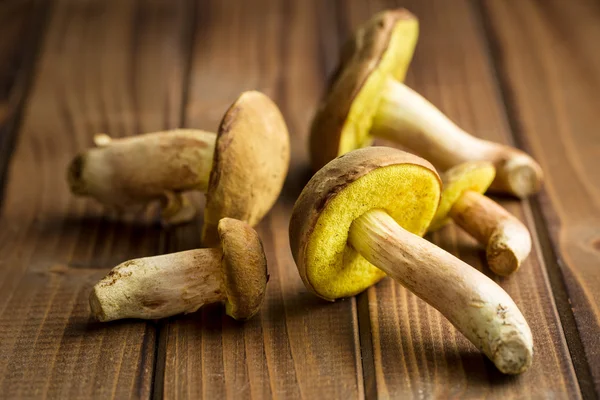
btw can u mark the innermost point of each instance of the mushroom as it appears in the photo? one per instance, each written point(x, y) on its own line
point(241, 168)
point(507, 240)
point(170, 284)
point(361, 217)
point(366, 98)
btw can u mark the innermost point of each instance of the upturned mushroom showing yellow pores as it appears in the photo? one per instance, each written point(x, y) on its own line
point(170, 284)
point(507, 240)
point(361, 217)
point(241, 168)
point(366, 98)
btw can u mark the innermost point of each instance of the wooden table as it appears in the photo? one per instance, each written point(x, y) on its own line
point(523, 72)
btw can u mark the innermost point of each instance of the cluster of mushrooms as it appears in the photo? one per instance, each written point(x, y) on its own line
point(360, 218)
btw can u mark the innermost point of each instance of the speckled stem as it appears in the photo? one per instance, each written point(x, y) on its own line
point(407, 118)
point(507, 240)
point(472, 302)
point(128, 173)
point(160, 286)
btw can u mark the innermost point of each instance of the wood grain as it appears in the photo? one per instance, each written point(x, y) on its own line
point(549, 66)
point(112, 67)
point(22, 24)
point(416, 352)
point(298, 346)
point(515, 72)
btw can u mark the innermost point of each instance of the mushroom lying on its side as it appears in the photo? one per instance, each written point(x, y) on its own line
point(507, 240)
point(366, 98)
point(241, 168)
point(162, 286)
point(361, 216)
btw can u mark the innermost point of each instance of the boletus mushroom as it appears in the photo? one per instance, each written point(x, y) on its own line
point(241, 168)
point(507, 240)
point(161, 286)
point(366, 98)
point(361, 217)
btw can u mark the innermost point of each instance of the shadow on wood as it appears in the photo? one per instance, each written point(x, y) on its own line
point(296, 180)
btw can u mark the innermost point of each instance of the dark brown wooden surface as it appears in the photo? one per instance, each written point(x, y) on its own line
point(416, 350)
point(109, 67)
point(21, 27)
point(522, 72)
point(297, 346)
point(549, 67)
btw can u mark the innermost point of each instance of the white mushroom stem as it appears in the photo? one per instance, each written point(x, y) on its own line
point(160, 286)
point(154, 158)
point(408, 119)
point(130, 172)
point(472, 302)
point(507, 240)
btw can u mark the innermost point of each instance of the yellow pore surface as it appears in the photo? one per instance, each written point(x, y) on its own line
point(393, 64)
point(408, 192)
point(476, 176)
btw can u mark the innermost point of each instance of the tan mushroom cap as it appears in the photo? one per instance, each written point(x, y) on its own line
point(251, 159)
point(244, 267)
point(476, 176)
point(380, 48)
point(406, 186)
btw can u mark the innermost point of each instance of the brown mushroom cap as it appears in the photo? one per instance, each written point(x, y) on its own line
point(244, 268)
point(476, 176)
point(380, 48)
point(251, 159)
point(406, 186)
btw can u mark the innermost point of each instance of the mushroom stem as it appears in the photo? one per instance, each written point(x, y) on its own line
point(160, 286)
point(132, 171)
point(507, 240)
point(471, 301)
point(407, 118)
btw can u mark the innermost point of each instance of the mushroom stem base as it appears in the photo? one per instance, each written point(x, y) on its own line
point(507, 240)
point(160, 286)
point(407, 118)
point(472, 302)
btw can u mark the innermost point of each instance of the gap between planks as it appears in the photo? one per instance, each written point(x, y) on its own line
point(161, 328)
point(551, 257)
point(13, 101)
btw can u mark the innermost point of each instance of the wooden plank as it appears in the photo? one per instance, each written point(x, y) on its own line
point(416, 352)
point(113, 67)
point(298, 346)
point(549, 64)
point(21, 27)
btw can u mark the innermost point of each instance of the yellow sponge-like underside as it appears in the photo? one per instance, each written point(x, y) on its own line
point(476, 176)
point(393, 64)
point(408, 192)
